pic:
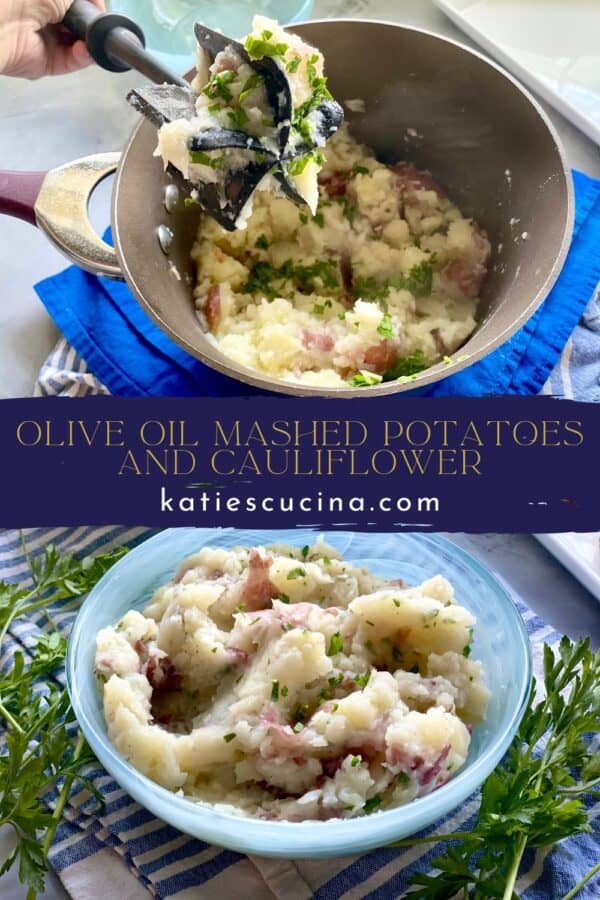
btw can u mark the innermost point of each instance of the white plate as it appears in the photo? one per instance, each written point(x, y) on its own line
point(551, 45)
point(579, 553)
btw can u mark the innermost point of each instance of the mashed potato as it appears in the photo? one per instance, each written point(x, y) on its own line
point(290, 684)
point(262, 107)
point(382, 282)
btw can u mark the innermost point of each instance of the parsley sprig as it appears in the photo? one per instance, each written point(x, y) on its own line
point(42, 750)
point(536, 796)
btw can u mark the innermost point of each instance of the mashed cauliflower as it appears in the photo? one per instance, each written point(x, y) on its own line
point(381, 283)
point(289, 684)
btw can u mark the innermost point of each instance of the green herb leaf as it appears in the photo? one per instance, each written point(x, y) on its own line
point(385, 327)
point(364, 379)
point(406, 366)
point(42, 751)
point(336, 645)
point(372, 803)
point(536, 797)
point(363, 679)
point(258, 48)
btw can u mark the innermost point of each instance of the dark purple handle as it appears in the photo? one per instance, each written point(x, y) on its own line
point(19, 192)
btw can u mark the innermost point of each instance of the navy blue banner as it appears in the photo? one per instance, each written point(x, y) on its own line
point(506, 464)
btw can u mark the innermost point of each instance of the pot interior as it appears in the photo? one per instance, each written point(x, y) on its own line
point(428, 101)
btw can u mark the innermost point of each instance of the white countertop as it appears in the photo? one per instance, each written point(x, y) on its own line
point(52, 121)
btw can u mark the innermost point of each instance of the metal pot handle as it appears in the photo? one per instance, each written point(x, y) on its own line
point(57, 201)
point(61, 210)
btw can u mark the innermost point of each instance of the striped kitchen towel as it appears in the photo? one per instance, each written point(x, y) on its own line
point(122, 851)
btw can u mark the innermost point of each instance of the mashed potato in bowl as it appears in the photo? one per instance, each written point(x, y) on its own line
point(287, 683)
point(382, 282)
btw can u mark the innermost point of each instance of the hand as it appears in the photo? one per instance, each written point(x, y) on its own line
point(32, 42)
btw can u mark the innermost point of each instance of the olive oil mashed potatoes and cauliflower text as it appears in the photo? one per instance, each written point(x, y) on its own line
point(286, 683)
point(366, 273)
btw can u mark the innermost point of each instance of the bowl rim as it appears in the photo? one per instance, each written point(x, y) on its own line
point(218, 361)
point(295, 839)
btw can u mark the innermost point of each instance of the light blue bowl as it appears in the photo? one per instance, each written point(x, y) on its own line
point(501, 643)
point(168, 25)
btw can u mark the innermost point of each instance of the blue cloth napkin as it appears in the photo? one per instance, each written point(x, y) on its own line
point(132, 357)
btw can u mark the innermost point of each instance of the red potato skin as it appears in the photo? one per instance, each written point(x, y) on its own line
point(335, 185)
point(212, 307)
point(410, 180)
point(381, 357)
point(317, 340)
point(258, 590)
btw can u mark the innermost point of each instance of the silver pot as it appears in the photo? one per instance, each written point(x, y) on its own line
point(427, 99)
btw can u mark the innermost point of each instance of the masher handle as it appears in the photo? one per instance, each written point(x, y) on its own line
point(116, 42)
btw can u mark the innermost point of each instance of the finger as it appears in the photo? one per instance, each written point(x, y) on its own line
point(64, 59)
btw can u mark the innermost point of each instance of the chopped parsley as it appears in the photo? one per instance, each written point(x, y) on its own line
point(305, 551)
point(319, 220)
point(229, 737)
point(269, 281)
point(297, 166)
point(406, 366)
point(301, 712)
point(262, 242)
point(420, 278)
point(298, 572)
point(218, 87)
point(466, 652)
point(200, 158)
point(336, 645)
point(293, 65)
point(419, 282)
point(284, 690)
point(334, 682)
point(298, 727)
point(372, 803)
point(397, 602)
point(349, 209)
point(364, 379)
point(258, 48)
point(362, 680)
point(283, 598)
point(354, 761)
point(385, 327)
point(275, 690)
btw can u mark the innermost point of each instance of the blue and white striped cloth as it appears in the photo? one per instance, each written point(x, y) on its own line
point(123, 851)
